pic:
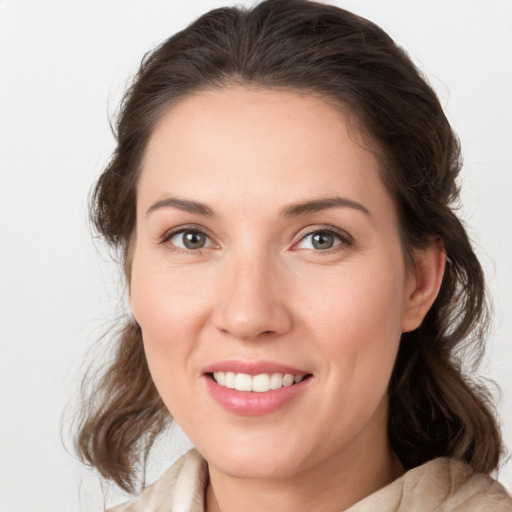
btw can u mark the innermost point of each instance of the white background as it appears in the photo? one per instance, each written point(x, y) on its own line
point(63, 67)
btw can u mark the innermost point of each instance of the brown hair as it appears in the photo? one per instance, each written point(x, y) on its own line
point(435, 410)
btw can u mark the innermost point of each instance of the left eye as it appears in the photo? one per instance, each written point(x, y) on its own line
point(321, 240)
point(190, 239)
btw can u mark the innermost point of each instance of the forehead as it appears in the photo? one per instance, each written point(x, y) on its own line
point(256, 146)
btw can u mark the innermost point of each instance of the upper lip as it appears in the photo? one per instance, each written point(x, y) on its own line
point(253, 367)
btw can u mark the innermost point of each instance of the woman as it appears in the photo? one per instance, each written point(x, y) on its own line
point(299, 284)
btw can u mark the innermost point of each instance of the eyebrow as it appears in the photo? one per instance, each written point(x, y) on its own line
point(185, 205)
point(317, 205)
point(292, 210)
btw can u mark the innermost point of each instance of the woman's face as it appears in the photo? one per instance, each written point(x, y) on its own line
point(267, 245)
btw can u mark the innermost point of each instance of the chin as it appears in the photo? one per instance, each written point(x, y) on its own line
point(258, 467)
point(251, 459)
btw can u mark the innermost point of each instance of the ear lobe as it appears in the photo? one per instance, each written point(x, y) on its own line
point(424, 283)
point(131, 305)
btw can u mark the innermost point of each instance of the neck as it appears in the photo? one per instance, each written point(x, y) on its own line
point(333, 485)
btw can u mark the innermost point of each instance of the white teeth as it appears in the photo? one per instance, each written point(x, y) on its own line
point(257, 383)
point(220, 377)
point(261, 383)
point(230, 380)
point(288, 380)
point(276, 381)
point(243, 382)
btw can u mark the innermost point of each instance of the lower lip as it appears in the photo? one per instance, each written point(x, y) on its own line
point(251, 403)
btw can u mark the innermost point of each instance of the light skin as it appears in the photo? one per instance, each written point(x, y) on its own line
point(264, 233)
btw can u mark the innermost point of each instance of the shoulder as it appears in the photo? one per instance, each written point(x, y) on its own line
point(441, 485)
point(180, 488)
point(451, 485)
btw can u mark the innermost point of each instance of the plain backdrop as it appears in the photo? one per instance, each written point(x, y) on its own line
point(63, 68)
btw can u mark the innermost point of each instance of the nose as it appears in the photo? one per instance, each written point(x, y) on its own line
point(253, 300)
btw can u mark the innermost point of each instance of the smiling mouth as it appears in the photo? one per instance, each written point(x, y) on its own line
point(260, 383)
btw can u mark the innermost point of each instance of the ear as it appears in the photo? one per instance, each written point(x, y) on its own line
point(424, 281)
point(131, 303)
point(127, 267)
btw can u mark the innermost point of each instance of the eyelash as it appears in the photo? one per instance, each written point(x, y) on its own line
point(185, 229)
point(344, 239)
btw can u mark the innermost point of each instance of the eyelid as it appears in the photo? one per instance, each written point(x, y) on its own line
point(346, 240)
point(166, 237)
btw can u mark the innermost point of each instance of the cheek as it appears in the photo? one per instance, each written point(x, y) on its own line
point(165, 299)
point(356, 318)
point(170, 309)
point(355, 301)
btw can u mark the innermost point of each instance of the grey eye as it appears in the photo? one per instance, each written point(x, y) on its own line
point(322, 240)
point(194, 240)
point(190, 240)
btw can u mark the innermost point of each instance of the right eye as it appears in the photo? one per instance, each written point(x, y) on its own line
point(190, 239)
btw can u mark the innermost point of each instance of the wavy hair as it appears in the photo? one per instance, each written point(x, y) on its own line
point(434, 408)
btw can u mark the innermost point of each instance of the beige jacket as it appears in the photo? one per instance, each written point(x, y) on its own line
point(440, 485)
